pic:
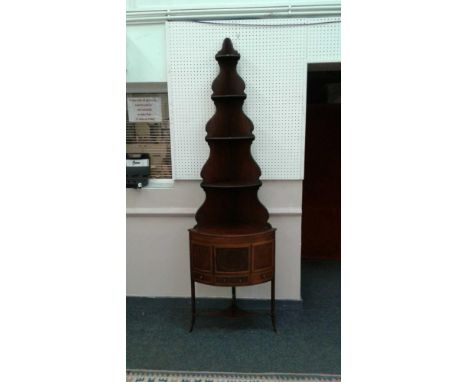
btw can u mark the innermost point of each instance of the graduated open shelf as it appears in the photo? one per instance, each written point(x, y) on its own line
point(227, 97)
point(227, 55)
point(250, 137)
point(232, 184)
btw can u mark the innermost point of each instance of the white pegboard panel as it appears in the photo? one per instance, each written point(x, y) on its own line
point(324, 41)
point(273, 65)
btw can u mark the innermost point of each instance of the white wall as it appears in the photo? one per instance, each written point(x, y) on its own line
point(158, 245)
point(146, 53)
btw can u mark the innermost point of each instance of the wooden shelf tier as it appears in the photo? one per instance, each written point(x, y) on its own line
point(250, 137)
point(228, 97)
point(221, 56)
point(232, 185)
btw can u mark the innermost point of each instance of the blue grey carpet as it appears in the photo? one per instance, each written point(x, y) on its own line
point(308, 339)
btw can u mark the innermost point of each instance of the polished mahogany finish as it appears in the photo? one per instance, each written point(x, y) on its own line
point(232, 260)
point(232, 243)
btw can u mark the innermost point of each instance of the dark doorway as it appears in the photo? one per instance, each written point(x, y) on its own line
point(321, 192)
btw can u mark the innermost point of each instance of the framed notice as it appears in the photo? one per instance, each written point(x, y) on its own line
point(144, 109)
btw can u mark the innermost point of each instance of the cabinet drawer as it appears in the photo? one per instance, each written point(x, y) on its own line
point(202, 277)
point(258, 278)
point(232, 280)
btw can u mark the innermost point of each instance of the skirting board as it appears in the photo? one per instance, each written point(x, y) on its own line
point(174, 211)
point(215, 303)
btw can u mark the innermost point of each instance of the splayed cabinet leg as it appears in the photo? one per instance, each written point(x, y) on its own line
point(273, 317)
point(193, 305)
point(234, 296)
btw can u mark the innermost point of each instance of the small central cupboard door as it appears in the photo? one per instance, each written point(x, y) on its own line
point(232, 259)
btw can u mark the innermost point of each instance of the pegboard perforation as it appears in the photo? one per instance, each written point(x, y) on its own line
point(274, 68)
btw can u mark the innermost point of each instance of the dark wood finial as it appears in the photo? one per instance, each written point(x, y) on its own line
point(227, 50)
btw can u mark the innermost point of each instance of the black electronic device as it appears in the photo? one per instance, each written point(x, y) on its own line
point(138, 170)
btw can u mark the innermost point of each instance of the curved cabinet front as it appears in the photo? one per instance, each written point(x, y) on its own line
point(232, 260)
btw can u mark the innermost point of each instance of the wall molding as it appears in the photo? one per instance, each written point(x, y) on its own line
point(189, 211)
point(213, 302)
point(156, 16)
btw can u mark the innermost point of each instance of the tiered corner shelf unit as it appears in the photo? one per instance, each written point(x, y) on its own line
point(232, 243)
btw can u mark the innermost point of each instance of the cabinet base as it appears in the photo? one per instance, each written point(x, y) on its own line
point(237, 259)
point(233, 310)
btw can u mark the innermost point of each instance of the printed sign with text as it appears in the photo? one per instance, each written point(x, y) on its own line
point(144, 109)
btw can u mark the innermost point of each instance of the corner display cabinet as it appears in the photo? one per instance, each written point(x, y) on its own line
point(232, 243)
